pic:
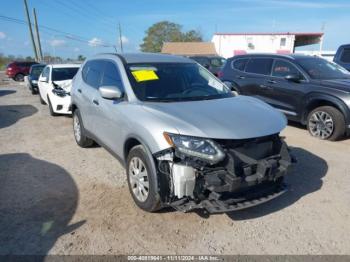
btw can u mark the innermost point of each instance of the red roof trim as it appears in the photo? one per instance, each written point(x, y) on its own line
point(282, 33)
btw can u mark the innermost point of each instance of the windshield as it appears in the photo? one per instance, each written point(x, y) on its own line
point(60, 74)
point(318, 68)
point(167, 82)
point(217, 61)
point(36, 71)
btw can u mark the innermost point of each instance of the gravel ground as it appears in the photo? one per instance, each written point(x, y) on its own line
point(57, 198)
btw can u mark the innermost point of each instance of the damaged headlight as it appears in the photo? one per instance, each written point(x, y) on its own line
point(203, 148)
point(58, 91)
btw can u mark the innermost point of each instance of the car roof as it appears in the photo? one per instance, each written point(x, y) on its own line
point(344, 46)
point(38, 65)
point(287, 56)
point(64, 65)
point(24, 62)
point(206, 56)
point(131, 58)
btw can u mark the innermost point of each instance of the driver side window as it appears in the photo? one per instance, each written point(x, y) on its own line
point(282, 69)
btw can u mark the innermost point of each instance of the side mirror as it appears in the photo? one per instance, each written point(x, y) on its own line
point(293, 78)
point(44, 79)
point(110, 92)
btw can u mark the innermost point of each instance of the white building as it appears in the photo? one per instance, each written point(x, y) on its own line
point(231, 44)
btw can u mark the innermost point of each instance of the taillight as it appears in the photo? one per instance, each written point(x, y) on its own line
point(220, 74)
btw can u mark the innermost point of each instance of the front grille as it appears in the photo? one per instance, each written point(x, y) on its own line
point(255, 148)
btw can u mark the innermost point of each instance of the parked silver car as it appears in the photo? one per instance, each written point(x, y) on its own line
point(186, 141)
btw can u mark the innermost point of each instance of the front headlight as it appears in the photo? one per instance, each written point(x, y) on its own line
point(34, 81)
point(203, 148)
point(60, 92)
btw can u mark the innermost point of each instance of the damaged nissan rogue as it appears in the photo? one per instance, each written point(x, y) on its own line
point(185, 139)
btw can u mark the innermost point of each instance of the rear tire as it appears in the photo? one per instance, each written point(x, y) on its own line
point(142, 180)
point(79, 131)
point(19, 77)
point(326, 123)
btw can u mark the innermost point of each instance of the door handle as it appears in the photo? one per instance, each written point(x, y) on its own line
point(241, 77)
point(271, 81)
point(95, 102)
point(79, 90)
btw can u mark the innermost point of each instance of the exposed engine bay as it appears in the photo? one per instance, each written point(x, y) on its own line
point(63, 89)
point(247, 173)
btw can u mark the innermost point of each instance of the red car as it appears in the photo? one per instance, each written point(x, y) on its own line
point(17, 70)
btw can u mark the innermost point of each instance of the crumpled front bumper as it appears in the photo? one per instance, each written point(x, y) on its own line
point(251, 174)
point(213, 205)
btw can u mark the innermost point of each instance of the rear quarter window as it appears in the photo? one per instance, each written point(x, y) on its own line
point(345, 56)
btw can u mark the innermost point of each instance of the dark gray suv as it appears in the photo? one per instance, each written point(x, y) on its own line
point(307, 89)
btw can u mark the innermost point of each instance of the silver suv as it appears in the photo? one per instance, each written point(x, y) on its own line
point(186, 141)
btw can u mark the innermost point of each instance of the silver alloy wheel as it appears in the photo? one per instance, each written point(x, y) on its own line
point(321, 124)
point(77, 127)
point(138, 177)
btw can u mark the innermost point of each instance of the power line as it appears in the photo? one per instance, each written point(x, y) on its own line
point(65, 34)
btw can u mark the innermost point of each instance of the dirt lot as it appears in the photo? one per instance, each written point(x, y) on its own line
point(56, 198)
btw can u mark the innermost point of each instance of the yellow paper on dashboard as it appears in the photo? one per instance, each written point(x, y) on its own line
point(144, 75)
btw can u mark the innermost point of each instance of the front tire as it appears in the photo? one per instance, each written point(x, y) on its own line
point(142, 180)
point(326, 123)
point(79, 131)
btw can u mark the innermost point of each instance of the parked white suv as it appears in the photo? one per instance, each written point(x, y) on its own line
point(55, 84)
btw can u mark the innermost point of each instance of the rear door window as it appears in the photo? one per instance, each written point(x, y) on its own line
point(239, 64)
point(261, 66)
point(345, 56)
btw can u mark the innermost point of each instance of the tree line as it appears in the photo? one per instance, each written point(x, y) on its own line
point(6, 59)
point(166, 31)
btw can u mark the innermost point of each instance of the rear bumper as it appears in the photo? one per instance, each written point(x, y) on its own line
point(10, 74)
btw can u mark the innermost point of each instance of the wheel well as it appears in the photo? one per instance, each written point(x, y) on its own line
point(317, 103)
point(130, 143)
point(73, 107)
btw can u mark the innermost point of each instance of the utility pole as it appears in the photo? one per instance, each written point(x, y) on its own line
point(30, 29)
point(37, 35)
point(323, 27)
point(120, 39)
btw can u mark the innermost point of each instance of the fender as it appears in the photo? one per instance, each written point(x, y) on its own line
point(150, 157)
point(321, 97)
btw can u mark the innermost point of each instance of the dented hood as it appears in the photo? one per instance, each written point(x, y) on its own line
point(238, 117)
point(65, 84)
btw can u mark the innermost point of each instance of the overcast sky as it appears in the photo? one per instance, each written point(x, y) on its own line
point(88, 26)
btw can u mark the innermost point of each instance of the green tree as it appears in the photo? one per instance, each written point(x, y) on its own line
point(29, 58)
point(166, 31)
point(81, 58)
point(192, 36)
